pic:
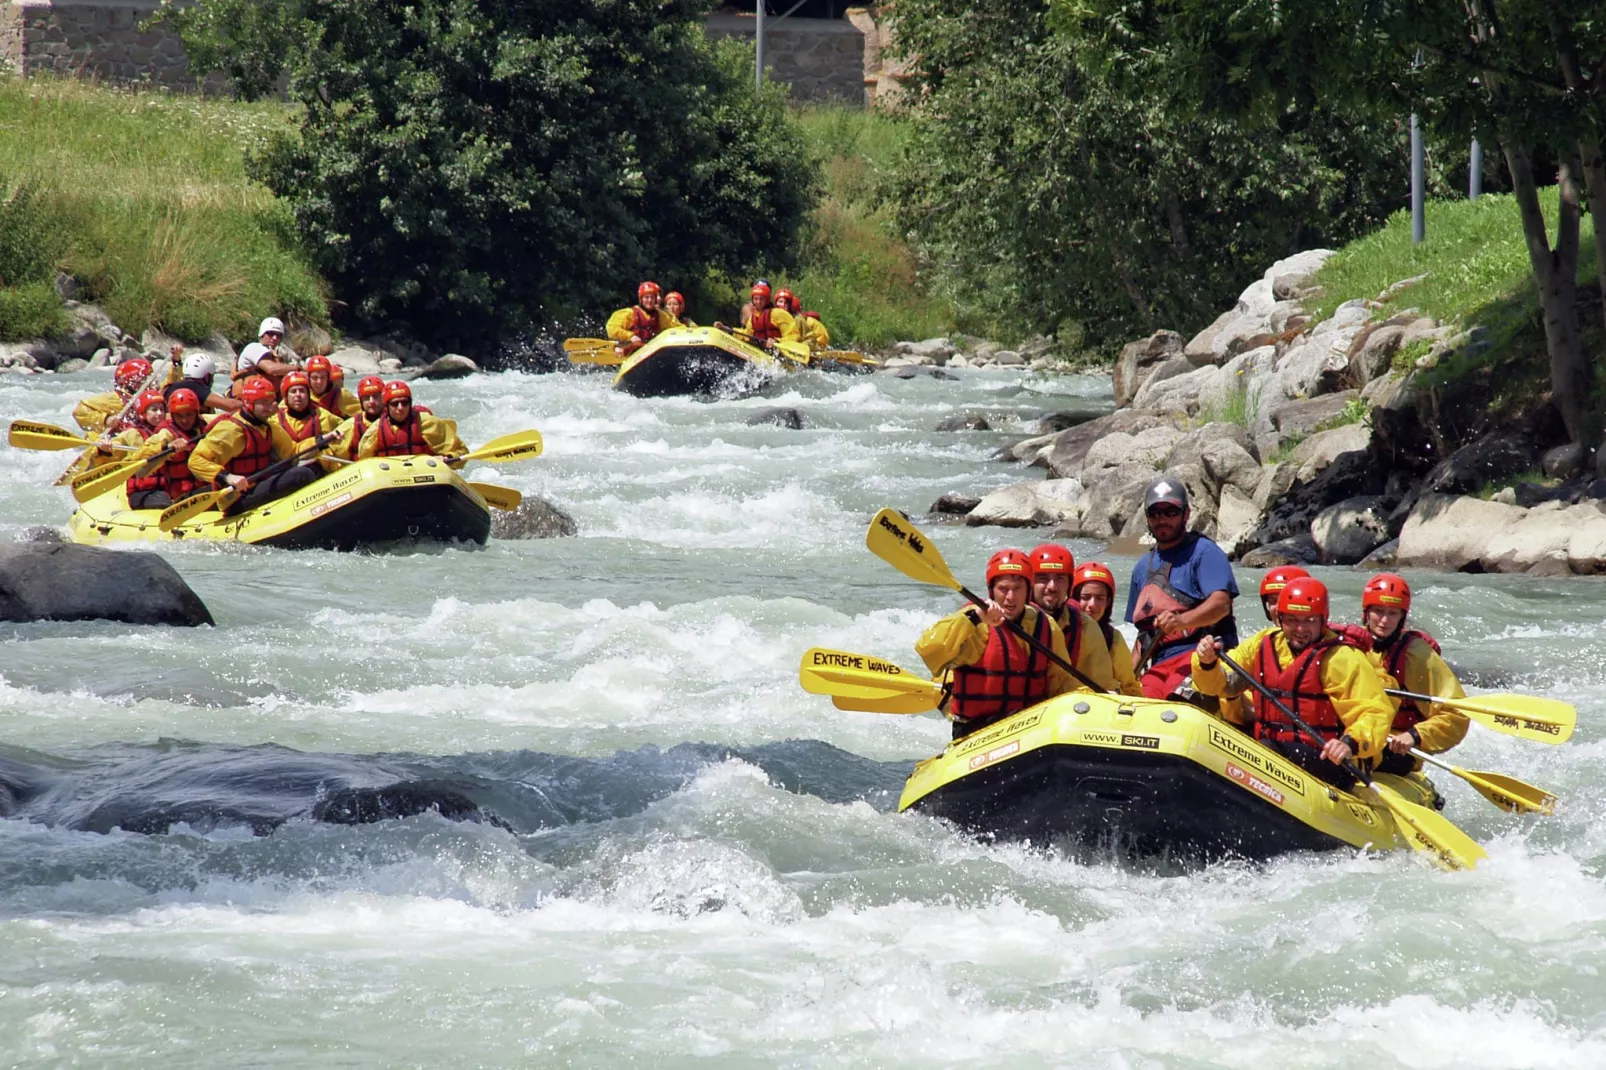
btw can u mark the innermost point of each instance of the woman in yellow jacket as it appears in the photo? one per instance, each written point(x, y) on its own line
point(1412, 658)
point(1093, 587)
point(1333, 687)
point(810, 330)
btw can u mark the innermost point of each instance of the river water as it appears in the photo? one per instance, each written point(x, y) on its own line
point(692, 862)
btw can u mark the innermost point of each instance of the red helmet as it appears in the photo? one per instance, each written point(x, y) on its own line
point(1387, 589)
point(1051, 557)
point(648, 288)
point(398, 391)
point(130, 373)
point(1094, 572)
point(320, 364)
point(183, 400)
point(1305, 596)
point(296, 378)
point(786, 299)
point(370, 386)
point(337, 374)
point(674, 295)
point(258, 388)
point(761, 289)
point(147, 399)
point(1010, 562)
point(1278, 578)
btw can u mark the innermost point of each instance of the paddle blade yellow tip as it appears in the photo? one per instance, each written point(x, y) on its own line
point(895, 539)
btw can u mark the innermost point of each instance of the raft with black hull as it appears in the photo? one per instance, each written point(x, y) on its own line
point(696, 360)
point(379, 500)
point(1148, 778)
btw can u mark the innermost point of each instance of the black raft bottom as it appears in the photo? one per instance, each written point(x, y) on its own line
point(1145, 806)
point(691, 370)
point(437, 513)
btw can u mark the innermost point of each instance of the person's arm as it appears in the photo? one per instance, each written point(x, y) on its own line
point(1121, 664)
point(221, 403)
point(1356, 691)
point(275, 369)
point(788, 325)
point(956, 639)
point(217, 448)
point(619, 326)
point(1140, 578)
point(1209, 673)
point(349, 404)
point(1427, 673)
point(370, 442)
point(1093, 657)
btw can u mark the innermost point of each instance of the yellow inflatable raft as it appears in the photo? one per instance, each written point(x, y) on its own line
point(374, 501)
point(1148, 778)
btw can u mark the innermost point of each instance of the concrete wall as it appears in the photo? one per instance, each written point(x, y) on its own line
point(821, 59)
point(90, 38)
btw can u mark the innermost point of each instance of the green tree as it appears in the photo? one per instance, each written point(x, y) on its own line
point(1045, 187)
point(1529, 75)
point(477, 167)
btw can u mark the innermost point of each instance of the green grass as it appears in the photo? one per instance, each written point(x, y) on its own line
point(1533, 475)
point(157, 219)
point(1237, 408)
point(857, 272)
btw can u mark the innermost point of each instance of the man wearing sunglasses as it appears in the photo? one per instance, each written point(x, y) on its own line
point(1180, 590)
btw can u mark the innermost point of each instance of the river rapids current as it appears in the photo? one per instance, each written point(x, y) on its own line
point(678, 858)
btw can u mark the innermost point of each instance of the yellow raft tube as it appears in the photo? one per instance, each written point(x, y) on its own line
point(379, 500)
point(1148, 778)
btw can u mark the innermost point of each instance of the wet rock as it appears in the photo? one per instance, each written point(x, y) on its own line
point(1052, 423)
point(1139, 359)
point(1452, 532)
point(964, 421)
point(41, 535)
point(779, 416)
point(1034, 503)
point(101, 359)
point(934, 349)
point(1382, 557)
point(1298, 550)
point(1491, 457)
point(1348, 531)
point(1562, 461)
point(62, 582)
point(1293, 513)
point(1237, 517)
point(364, 806)
point(451, 366)
point(912, 371)
point(535, 518)
point(1184, 393)
point(360, 358)
point(1027, 449)
point(954, 504)
point(1171, 368)
point(68, 367)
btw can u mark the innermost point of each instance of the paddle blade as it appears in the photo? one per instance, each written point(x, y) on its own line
point(1510, 794)
point(1542, 720)
point(97, 481)
point(505, 498)
point(844, 673)
point(896, 704)
point(181, 511)
point(519, 446)
point(895, 540)
point(604, 358)
point(845, 356)
point(583, 345)
point(1431, 833)
point(796, 352)
point(32, 435)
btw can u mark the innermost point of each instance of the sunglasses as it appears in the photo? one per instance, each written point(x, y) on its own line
point(1167, 512)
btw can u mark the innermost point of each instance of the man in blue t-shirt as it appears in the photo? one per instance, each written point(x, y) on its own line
point(1180, 590)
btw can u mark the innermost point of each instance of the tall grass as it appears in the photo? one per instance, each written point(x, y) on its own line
point(856, 271)
point(156, 214)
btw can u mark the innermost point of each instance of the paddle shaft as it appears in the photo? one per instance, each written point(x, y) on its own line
point(1265, 692)
point(223, 501)
point(1031, 641)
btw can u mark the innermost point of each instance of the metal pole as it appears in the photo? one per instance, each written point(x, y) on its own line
point(1419, 224)
point(1475, 172)
point(758, 82)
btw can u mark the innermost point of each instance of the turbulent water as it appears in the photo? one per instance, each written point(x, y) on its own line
point(653, 847)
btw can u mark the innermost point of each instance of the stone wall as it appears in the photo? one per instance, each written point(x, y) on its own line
point(90, 38)
point(821, 59)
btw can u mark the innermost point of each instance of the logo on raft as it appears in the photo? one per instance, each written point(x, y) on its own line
point(834, 660)
point(332, 503)
point(981, 739)
point(1254, 783)
point(997, 753)
point(330, 488)
point(1246, 752)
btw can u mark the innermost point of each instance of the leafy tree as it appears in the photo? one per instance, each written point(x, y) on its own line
point(1529, 75)
point(1046, 187)
point(479, 166)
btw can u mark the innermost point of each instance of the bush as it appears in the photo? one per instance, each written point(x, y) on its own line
point(32, 310)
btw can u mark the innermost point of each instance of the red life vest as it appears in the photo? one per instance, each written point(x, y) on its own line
point(1004, 681)
point(406, 441)
point(257, 453)
point(1299, 686)
point(644, 324)
point(175, 476)
point(330, 402)
point(1069, 619)
point(1354, 635)
point(759, 325)
point(308, 429)
point(1410, 713)
point(359, 426)
point(141, 483)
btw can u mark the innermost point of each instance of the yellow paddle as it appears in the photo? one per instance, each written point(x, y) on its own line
point(895, 704)
point(1506, 792)
point(844, 356)
point(182, 510)
point(519, 446)
point(900, 544)
point(1541, 720)
point(1427, 831)
point(32, 435)
point(504, 498)
point(842, 672)
point(97, 481)
point(591, 351)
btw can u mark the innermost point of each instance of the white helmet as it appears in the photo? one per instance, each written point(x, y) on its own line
point(272, 323)
point(199, 366)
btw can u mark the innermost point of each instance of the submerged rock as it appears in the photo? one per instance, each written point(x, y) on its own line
point(61, 582)
point(535, 518)
point(780, 416)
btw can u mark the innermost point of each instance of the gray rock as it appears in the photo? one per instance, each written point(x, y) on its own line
point(1296, 550)
point(1191, 445)
point(1180, 394)
point(1491, 457)
point(67, 367)
point(964, 421)
point(1314, 454)
point(780, 416)
point(1054, 422)
point(535, 518)
point(1276, 480)
point(1201, 347)
point(308, 337)
point(41, 535)
point(1351, 529)
point(1115, 504)
point(360, 358)
point(1035, 503)
point(1027, 449)
point(67, 287)
point(985, 351)
point(62, 582)
point(1382, 557)
point(1284, 314)
point(101, 359)
point(1008, 358)
point(1248, 331)
point(390, 364)
point(1304, 418)
point(910, 371)
point(1138, 360)
point(938, 349)
point(1237, 517)
point(1373, 351)
point(1292, 513)
point(1065, 454)
point(1563, 461)
point(954, 504)
point(451, 366)
point(1147, 449)
point(1451, 532)
point(1288, 275)
point(1317, 364)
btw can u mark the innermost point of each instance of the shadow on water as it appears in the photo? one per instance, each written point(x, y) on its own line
point(151, 789)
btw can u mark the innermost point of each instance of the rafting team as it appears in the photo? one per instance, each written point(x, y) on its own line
point(274, 409)
point(1332, 675)
point(763, 320)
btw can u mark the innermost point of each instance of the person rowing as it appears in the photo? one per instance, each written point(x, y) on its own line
point(239, 445)
point(1411, 657)
point(263, 357)
point(675, 305)
point(408, 431)
point(810, 328)
point(198, 372)
point(179, 432)
point(633, 327)
point(98, 414)
point(1053, 568)
point(325, 380)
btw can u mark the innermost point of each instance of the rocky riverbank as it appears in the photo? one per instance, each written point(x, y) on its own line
point(1313, 440)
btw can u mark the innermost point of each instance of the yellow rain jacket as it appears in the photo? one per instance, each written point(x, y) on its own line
point(347, 405)
point(780, 319)
point(1351, 679)
point(812, 333)
point(622, 324)
point(1121, 661)
point(441, 435)
point(1425, 672)
point(222, 443)
point(1092, 656)
point(284, 445)
point(956, 640)
point(93, 412)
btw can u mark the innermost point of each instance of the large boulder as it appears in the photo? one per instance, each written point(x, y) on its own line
point(1034, 503)
point(1351, 529)
point(1297, 550)
point(1237, 517)
point(1064, 456)
point(1491, 457)
point(1314, 454)
point(1138, 359)
point(1201, 347)
point(1147, 449)
point(360, 358)
point(450, 366)
point(1317, 364)
point(1169, 368)
point(1292, 513)
point(1052, 423)
point(1183, 394)
point(1452, 532)
point(535, 518)
point(63, 582)
point(1301, 419)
